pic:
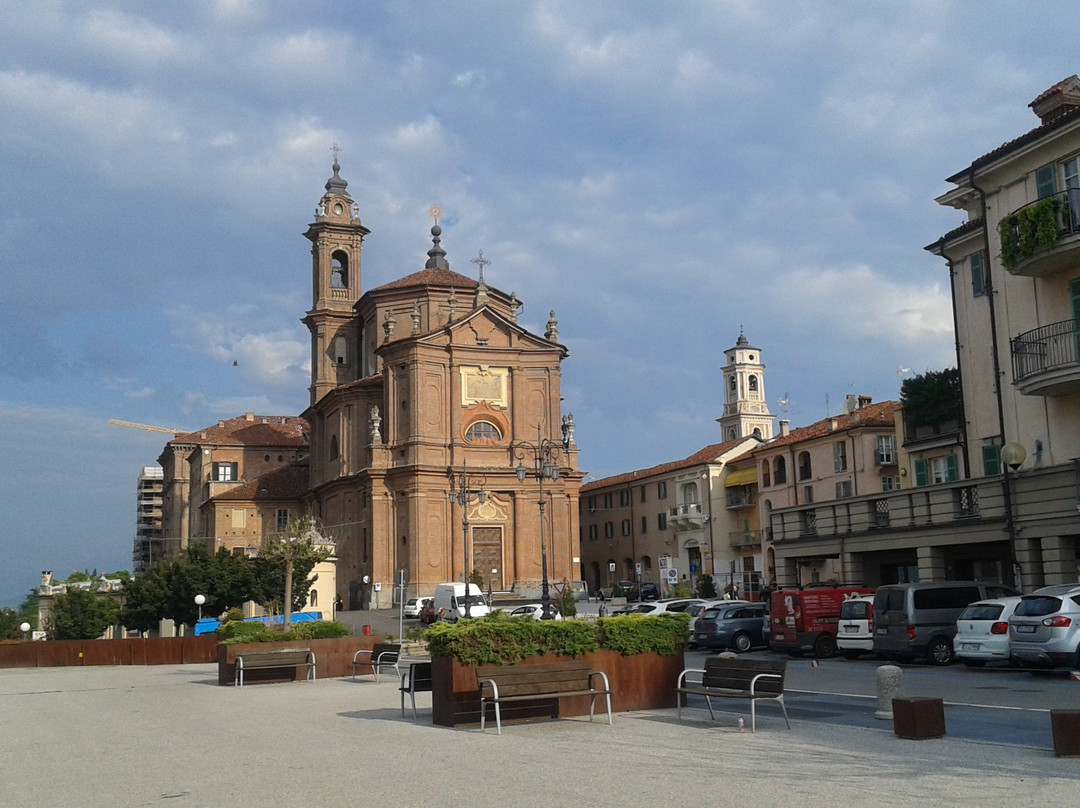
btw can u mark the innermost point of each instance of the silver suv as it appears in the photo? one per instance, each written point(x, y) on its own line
point(1045, 628)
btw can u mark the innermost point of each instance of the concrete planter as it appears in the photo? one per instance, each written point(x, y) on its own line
point(638, 682)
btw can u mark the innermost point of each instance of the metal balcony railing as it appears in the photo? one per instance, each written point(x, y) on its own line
point(1049, 347)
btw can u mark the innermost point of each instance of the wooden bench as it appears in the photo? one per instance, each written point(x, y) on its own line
point(264, 660)
point(417, 679)
point(500, 684)
point(732, 677)
point(382, 655)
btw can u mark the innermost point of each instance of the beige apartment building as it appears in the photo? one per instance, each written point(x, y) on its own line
point(421, 388)
point(1014, 266)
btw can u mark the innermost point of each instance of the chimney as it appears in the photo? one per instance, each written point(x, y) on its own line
point(850, 403)
point(864, 401)
point(785, 427)
point(1060, 99)
point(249, 416)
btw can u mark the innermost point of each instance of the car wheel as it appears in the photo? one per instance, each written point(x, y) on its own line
point(974, 663)
point(741, 642)
point(940, 651)
point(825, 646)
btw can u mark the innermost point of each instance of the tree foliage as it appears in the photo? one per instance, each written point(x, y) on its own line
point(932, 398)
point(81, 614)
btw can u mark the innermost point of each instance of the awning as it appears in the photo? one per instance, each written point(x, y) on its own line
point(741, 477)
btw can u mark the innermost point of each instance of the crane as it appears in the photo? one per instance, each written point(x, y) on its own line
point(148, 427)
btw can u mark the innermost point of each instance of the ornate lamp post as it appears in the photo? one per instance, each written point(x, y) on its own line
point(199, 601)
point(545, 454)
point(461, 490)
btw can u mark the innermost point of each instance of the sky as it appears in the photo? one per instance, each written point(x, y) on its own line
point(662, 175)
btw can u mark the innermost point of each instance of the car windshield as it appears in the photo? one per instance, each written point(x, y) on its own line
point(982, 611)
point(1038, 606)
point(854, 610)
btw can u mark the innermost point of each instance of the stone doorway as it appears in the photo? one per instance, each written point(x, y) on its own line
point(487, 556)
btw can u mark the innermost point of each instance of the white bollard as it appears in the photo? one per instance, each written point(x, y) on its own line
point(890, 685)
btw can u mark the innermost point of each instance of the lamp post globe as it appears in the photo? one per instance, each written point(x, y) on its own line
point(199, 601)
point(24, 627)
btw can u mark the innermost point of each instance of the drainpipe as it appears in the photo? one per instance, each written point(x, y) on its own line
point(991, 293)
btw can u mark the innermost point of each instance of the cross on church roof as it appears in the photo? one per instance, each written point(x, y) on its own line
point(335, 150)
point(481, 262)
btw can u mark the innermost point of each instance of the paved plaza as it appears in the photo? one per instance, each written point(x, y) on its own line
point(170, 736)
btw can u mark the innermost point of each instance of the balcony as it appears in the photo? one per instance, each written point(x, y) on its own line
point(686, 517)
point(744, 538)
point(740, 499)
point(1044, 360)
point(1042, 237)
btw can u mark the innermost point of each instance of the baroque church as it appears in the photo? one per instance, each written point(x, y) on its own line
point(423, 387)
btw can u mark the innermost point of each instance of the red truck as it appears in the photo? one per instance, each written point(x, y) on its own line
point(804, 620)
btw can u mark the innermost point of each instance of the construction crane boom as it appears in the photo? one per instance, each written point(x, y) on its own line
point(148, 427)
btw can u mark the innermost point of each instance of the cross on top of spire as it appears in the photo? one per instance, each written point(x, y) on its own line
point(481, 262)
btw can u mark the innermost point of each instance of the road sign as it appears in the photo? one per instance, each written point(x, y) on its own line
point(672, 575)
point(611, 566)
point(637, 566)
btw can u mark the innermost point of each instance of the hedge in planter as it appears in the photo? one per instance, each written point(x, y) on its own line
point(238, 631)
point(498, 639)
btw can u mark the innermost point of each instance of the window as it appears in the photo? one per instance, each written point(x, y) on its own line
point(661, 490)
point(339, 270)
point(809, 521)
point(805, 470)
point(732, 384)
point(609, 530)
point(766, 475)
point(936, 470)
point(839, 456)
point(808, 494)
point(333, 447)
point(341, 352)
point(991, 458)
point(483, 432)
point(644, 524)
point(689, 494)
point(661, 521)
point(753, 384)
point(885, 453)
point(843, 489)
point(281, 521)
point(607, 501)
point(226, 472)
point(642, 493)
point(624, 497)
point(890, 483)
point(1045, 184)
point(626, 527)
point(967, 501)
point(978, 275)
point(881, 512)
point(594, 534)
point(780, 472)
point(592, 504)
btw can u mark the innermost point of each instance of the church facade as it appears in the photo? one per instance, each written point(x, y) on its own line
point(421, 387)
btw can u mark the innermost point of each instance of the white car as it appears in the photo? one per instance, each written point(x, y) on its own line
point(855, 626)
point(534, 611)
point(982, 631)
point(413, 606)
point(671, 606)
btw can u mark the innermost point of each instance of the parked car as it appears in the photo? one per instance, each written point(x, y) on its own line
point(982, 632)
point(1044, 631)
point(413, 606)
point(919, 619)
point(534, 611)
point(428, 615)
point(699, 609)
point(855, 628)
point(734, 624)
point(670, 606)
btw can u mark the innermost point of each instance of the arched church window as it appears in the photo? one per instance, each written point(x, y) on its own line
point(341, 350)
point(731, 433)
point(733, 384)
point(483, 432)
point(757, 432)
point(753, 384)
point(339, 270)
point(333, 447)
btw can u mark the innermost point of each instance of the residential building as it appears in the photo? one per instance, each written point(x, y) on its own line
point(674, 516)
point(421, 387)
point(150, 542)
point(821, 487)
point(1014, 267)
point(235, 483)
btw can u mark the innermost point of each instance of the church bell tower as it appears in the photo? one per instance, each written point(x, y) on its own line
point(746, 412)
point(337, 239)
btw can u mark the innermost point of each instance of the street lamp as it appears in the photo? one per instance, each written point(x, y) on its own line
point(545, 452)
point(199, 601)
point(24, 628)
point(461, 490)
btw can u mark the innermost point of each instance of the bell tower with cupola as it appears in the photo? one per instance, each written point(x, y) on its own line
point(337, 239)
point(746, 412)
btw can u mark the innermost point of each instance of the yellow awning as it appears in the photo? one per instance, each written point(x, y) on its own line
point(741, 477)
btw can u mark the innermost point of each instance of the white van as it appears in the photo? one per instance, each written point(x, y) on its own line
point(450, 601)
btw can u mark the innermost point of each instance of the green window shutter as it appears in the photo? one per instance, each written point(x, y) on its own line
point(920, 473)
point(1044, 181)
point(991, 458)
point(978, 277)
point(951, 474)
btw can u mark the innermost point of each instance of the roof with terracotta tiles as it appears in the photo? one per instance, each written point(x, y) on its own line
point(288, 482)
point(881, 415)
point(251, 430)
point(429, 277)
point(707, 455)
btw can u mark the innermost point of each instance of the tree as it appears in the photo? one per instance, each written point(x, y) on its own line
point(81, 614)
point(932, 398)
point(298, 551)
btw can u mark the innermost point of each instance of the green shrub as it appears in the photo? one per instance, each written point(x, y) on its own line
point(234, 632)
point(498, 639)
